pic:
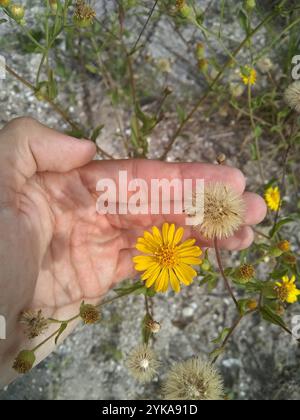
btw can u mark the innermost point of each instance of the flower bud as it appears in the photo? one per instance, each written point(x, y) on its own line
point(168, 91)
point(252, 304)
point(24, 361)
point(17, 12)
point(245, 273)
point(84, 14)
point(89, 314)
point(250, 4)
point(4, 3)
point(290, 259)
point(205, 265)
point(153, 326)
point(203, 65)
point(284, 246)
point(53, 5)
point(200, 50)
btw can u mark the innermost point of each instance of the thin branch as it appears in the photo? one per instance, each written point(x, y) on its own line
point(144, 28)
point(226, 281)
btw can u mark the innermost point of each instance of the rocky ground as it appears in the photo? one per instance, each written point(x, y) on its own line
point(261, 362)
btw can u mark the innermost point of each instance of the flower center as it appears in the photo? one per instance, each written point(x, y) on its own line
point(144, 364)
point(166, 256)
point(283, 292)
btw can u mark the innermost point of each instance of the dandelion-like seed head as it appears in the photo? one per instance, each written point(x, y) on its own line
point(34, 322)
point(224, 211)
point(142, 363)
point(292, 96)
point(193, 379)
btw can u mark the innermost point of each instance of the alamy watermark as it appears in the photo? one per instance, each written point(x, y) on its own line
point(2, 327)
point(296, 67)
point(153, 197)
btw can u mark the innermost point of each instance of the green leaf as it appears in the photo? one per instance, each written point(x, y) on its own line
point(134, 131)
point(91, 68)
point(258, 131)
point(96, 132)
point(268, 290)
point(222, 336)
point(3, 21)
point(129, 288)
point(216, 353)
point(270, 316)
point(277, 228)
point(61, 330)
point(52, 85)
point(181, 113)
point(146, 333)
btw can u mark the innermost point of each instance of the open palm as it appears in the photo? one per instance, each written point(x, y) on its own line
point(58, 251)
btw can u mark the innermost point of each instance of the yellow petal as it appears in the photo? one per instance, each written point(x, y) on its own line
point(175, 284)
point(171, 233)
point(150, 271)
point(191, 260)
point(161, 280)
point(150, 239)
point(182, 276)
point(190, 272)
point(165, 231)
point(143, 248)
point(151, 280)
point(194, 251)
point(178, 236)
point(188, 243)
point(157, 235)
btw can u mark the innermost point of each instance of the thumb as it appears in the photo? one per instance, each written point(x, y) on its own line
point(31, 147)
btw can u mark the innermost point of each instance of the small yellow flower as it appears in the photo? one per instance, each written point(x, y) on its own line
point(273, 198)
point(284, 246)
point(248, 76)
point(167, 260)
point(287, 290)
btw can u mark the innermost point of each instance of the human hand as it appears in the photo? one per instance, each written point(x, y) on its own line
point(55, 249)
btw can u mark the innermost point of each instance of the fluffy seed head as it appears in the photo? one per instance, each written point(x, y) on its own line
point(292, 96)
point(193, 379)
point(224, 211)
point(34, 322)
point(142, 363)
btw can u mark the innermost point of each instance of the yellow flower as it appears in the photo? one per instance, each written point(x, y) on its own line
point(287, 290)
point(167, 260)
point(273, 198)
point(248, 75)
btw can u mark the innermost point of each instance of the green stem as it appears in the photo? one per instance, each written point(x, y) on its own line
point(214, 82)
point(256, 138)
point(226, 281)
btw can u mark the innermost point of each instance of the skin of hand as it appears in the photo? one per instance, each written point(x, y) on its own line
point(55, 249)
